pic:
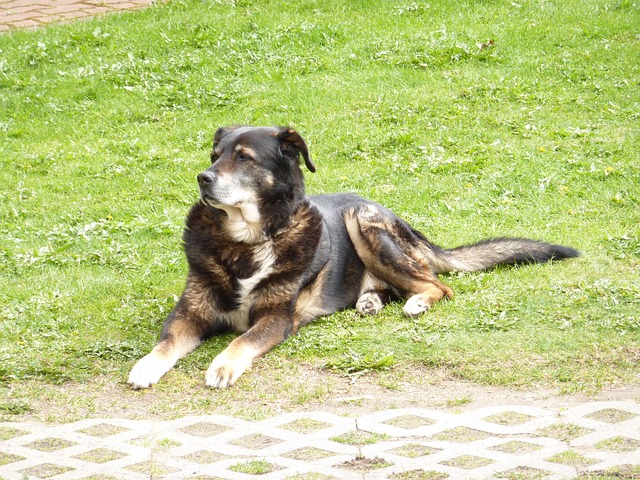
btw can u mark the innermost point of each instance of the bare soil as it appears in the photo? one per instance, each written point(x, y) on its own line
point(270, 389)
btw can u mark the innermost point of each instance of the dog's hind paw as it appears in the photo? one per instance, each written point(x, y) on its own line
point(415, 306)
point(369, 304)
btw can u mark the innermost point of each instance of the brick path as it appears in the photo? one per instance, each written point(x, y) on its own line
point(33, 13)
point(513, 441)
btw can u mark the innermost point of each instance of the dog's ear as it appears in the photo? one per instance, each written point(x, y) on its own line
point(291, 141)
point(221, 133)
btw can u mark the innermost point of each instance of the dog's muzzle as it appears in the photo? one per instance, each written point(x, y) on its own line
point(207, 181)
point(206, 178)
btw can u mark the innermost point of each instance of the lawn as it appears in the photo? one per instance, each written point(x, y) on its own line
point(470, 119)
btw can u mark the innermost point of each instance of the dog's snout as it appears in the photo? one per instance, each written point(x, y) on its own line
point(206, 178)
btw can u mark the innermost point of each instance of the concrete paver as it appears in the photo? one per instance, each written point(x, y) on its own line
point(511, 441)
point(16, 14)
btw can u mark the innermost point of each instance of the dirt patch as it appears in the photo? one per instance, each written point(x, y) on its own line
point(364, 464)
point(270, 389)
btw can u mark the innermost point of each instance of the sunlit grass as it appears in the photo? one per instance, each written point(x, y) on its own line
point(105, 123)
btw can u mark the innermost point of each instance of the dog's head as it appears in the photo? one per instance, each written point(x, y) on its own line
point(255, 170)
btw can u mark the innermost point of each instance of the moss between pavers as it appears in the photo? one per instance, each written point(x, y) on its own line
point(611, 415)
point(7, 458)
point(618, 444)
point(100, 455)
point(571, 458)
point(409, 422)
point(413, 450)
point(523, 473)
point(516, 447)
point(364, 464)
point(50, 444)
point(509, 418)
point(420, 475)
point(7, 433)
point(461, 435)
point(360, 437)
point(305, 425)
point(307, 454)
point(468, 462)
point(254, 467)
point(46, 470)
point(563, 431)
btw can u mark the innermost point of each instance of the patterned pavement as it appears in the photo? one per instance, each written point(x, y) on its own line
point(34, 13)
point(514, 442)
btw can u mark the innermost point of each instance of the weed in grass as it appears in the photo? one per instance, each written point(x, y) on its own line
point(356, 363)
point(459, 402)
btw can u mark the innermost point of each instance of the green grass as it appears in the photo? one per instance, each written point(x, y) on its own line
point(105, 123)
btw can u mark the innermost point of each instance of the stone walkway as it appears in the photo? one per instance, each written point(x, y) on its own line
point(520, 442)
point(34, 13)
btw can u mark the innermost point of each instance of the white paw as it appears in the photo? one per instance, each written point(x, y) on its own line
point(147, 371)
point(415, 306)
point(223, 371)
point(369, 304)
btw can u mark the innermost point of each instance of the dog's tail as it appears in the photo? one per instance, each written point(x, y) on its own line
point(497, 251)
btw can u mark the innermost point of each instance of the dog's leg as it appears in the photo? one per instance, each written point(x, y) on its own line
point(150, 368)
point(392, 253)
point(272, 327)
point(183, 330)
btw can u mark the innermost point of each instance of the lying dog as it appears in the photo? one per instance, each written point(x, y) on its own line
point(265, 259)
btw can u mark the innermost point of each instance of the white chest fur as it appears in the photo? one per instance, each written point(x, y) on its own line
point(264, 257)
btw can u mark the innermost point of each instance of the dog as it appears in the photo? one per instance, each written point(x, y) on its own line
point(266, 259)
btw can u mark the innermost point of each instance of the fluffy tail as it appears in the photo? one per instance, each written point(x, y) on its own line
point(498, 251)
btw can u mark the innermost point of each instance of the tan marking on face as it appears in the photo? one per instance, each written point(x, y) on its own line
point(244, 150)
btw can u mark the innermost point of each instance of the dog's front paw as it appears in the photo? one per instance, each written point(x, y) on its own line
point(415, 306)
point(223, 371)
point(369, 304)
point(147, 372)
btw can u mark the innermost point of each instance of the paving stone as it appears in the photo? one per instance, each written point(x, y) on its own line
point(34, 13)
point(489, 442)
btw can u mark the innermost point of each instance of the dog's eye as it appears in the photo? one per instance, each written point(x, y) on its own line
point(243, 157)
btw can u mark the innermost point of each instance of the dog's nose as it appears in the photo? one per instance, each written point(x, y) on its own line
point(206, 178)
